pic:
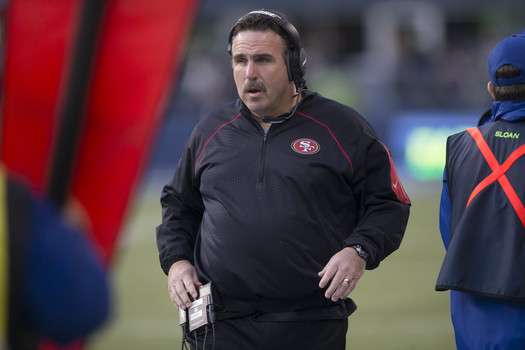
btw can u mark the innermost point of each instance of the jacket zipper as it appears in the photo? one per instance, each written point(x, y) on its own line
point(263, 158)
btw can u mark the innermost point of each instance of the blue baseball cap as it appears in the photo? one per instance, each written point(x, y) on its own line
point(509, 51)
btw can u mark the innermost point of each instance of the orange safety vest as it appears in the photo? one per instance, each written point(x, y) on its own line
point(498, 173)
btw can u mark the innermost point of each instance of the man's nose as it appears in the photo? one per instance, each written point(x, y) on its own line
point(251, 70)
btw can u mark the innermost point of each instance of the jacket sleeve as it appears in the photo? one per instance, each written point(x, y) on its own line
point(384, 204)
point(182, 211)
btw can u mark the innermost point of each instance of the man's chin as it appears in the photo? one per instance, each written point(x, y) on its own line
point(255, 108)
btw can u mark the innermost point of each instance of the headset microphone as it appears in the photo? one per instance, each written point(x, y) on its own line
point(284, 117)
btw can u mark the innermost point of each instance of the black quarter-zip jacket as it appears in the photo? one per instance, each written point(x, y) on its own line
point(261, 214)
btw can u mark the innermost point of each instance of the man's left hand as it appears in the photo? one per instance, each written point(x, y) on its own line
point(343, 271)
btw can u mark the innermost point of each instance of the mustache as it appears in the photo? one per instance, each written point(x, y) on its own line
point(253, 85)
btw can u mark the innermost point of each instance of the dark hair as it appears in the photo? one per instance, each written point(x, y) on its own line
point(509, 92)
point(261, 22)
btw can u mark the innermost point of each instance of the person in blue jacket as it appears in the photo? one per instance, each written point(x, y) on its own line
point(482, 215)
point(53, 286)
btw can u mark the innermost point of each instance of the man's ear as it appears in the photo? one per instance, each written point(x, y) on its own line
point(490, 88)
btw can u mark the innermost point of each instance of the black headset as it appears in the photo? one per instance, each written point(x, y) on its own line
point(296, 63)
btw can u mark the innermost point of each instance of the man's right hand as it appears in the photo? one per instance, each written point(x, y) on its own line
point(182, 279)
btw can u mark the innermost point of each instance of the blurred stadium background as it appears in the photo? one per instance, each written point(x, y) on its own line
point(415, 69)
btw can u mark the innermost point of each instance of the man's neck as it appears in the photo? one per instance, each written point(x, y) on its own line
point(267, 125)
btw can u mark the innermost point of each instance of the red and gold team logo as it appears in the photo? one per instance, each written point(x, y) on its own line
point(305, 146)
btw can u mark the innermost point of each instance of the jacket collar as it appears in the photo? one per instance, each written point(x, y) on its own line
point(244, 109)
point(508, 110)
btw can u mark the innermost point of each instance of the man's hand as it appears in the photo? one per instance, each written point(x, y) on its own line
point(182, 279)
point(343, 270)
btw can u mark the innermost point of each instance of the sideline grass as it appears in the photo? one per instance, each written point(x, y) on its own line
point(397, 305)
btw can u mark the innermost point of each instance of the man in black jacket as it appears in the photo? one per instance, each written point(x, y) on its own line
point(281, 199)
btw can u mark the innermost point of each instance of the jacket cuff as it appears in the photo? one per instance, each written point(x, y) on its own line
point(166, 263)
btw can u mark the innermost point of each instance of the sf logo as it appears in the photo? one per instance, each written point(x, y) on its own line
point(305, 146)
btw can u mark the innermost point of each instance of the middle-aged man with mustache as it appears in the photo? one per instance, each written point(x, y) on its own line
point(281, 199)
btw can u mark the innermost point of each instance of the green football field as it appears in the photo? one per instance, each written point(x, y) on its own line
point(397, 305)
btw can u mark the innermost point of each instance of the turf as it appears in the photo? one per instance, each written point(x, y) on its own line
point(397, 305)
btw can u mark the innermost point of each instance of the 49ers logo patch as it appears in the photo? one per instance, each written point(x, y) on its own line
point(305, 146)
